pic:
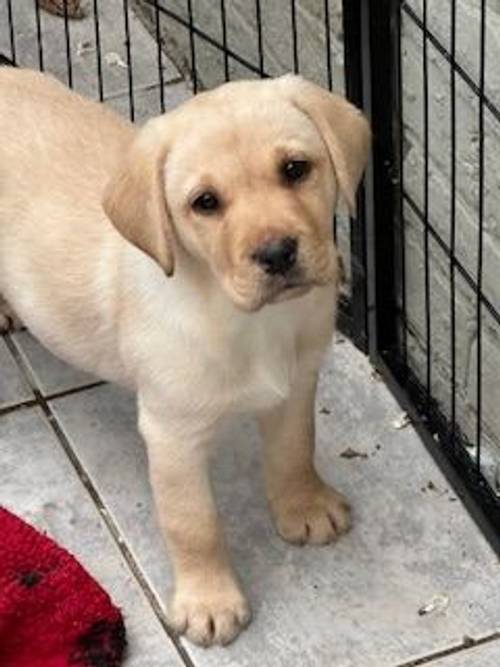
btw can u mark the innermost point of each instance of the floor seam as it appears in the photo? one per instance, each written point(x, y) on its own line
point(29, 375)
point(468, 643)
point(31, 402)
point(42, 402)
point(8, 409)
point(75, 390)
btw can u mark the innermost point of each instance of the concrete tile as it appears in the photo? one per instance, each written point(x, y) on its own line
point(13, 388)
point(38, 483)
point(352, 605)
point(487, 655)
point(50, 373)
point(82, 32)
point(147, 103)
point(102, 428)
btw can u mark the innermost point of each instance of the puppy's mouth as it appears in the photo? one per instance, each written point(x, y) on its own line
point(290, 289)
point(272, 289)
point(270, 292)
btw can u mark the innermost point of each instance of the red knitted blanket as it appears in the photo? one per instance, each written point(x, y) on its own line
point(52, 613)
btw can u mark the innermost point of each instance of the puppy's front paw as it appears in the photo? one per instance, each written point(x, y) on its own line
point(312, 514)
point(209, 614)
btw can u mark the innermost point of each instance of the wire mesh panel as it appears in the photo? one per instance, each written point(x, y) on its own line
point(436, 250)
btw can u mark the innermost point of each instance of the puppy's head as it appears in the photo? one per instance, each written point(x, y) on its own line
point(245, 180)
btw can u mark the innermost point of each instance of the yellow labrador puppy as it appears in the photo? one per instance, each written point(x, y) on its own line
point(193, 261)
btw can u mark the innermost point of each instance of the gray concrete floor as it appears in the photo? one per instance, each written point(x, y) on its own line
point(351, 605)
point(66, 441)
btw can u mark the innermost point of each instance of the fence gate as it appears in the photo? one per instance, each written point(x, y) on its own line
point(432, 225)
point(423, 257)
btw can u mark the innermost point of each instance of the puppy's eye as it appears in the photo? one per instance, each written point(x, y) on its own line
point(206, 203)
point(295, 170)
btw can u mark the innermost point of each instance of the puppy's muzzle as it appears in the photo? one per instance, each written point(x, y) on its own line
point(278, 256)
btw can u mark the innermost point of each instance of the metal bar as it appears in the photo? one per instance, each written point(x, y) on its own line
point(224, 38)
point(328, 46)
point(329, 74)
point(67, 35)
point(479, 279)
point(192, 46)
point(260, 45)
point(354, 82)
point(399, 210)
point(453, 201)
point(159, 55)
point(11, 31)
point(130, 77)
point(427, 285)
point(97, 33)
point(39, 36)
point(293, 13)
point(378, 67)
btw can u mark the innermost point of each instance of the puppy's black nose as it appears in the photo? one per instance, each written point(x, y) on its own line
point(278, 256)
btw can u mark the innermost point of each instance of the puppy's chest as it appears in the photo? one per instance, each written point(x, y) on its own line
point(257, 371)
point(241, 369)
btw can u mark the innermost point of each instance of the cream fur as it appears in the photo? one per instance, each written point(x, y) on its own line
point(95, 213)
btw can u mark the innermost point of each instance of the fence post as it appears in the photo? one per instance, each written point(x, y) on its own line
point(358, 330)
point(379, 65)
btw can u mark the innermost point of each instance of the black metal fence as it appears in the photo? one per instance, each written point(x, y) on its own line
point(434, 255)
point(422, 298)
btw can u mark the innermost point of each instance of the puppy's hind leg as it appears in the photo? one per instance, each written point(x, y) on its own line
point(9, 321)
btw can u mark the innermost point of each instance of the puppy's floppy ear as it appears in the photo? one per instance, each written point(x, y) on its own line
point(343, 127)
point(134, 199)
